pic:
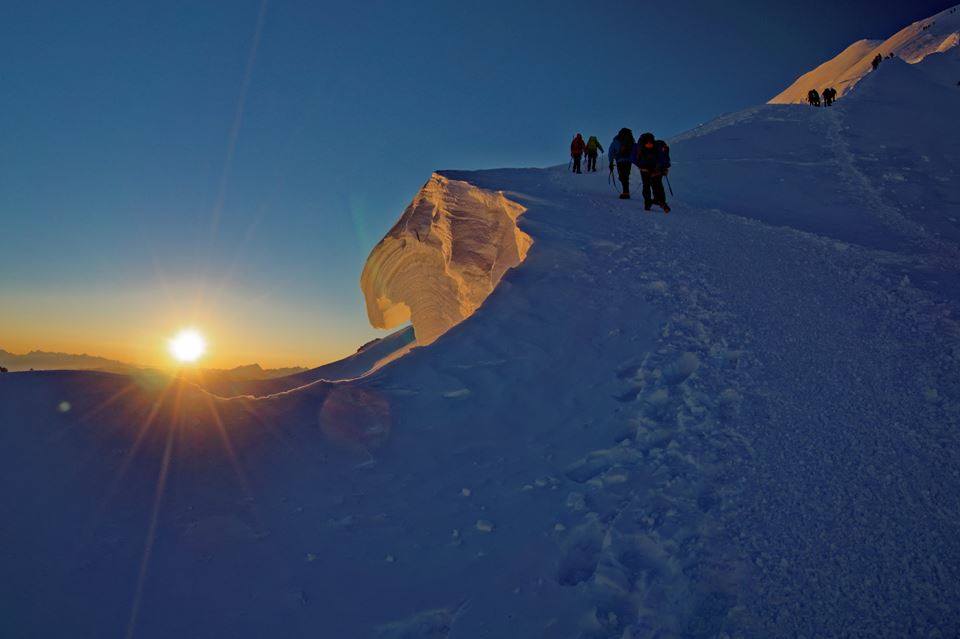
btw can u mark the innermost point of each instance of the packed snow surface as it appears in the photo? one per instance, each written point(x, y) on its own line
point(912, 44)
point(741, 419)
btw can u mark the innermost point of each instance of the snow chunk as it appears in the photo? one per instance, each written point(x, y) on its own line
point(685, 366)
point(443, 257)
point(484, 525)
point(357, 417)
point(581, 554)
point(600, 461)
point(430, 624)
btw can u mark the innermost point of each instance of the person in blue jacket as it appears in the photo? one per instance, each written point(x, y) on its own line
point(620, 153)
point(652, 157)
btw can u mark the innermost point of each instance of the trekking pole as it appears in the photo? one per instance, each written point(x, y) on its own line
point(570, 165)
point(612, 181)
point(668, 185)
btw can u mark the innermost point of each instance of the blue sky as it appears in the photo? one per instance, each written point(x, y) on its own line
point(129, 127)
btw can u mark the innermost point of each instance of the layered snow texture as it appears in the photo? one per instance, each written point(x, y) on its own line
point(912, 44)
point(442, 258)
point(738, 420)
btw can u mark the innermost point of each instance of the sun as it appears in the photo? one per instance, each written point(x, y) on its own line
point(187, 346)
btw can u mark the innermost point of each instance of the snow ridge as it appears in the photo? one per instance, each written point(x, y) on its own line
point(442, 258)
point(912, 44)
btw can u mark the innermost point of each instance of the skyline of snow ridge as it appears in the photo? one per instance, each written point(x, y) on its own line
point(114, 174)
point(939, 33)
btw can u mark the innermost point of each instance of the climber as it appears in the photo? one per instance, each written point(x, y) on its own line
point(813, 98)
point(876, 61)
point(593, 146)
point(576, 151)
point(829, 95)
point(621, 153)
point(652, 156)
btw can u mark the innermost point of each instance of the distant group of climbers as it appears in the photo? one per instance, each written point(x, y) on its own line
point(650, 155)
point(591, 148)
point(829, 96)
point(877, 59)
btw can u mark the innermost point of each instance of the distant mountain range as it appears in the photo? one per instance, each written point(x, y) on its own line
point(44, 360)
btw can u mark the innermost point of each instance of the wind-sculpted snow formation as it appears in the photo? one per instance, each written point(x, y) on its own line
point(443, 257)
point(937, 34)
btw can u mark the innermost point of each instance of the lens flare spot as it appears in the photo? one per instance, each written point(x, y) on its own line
point(187, 346)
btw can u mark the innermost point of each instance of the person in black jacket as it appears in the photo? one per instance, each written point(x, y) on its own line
point(653, 159)
point(620, 152)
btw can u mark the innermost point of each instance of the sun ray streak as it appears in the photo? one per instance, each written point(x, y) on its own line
point(227, 445)
point(151, 532)
point(268, 428)
point(96, 410)
point(237, 121)
point(132, 453)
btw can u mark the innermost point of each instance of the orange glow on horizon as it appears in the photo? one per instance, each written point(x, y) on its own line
point(133, 326)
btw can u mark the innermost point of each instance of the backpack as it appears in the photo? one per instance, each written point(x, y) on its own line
point(663, 153)
point(626, 145)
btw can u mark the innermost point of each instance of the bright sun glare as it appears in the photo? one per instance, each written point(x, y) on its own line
point(188, 345)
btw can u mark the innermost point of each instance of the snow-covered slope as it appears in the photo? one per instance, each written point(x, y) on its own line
point(741, 419)
point(936, 34)
point(887, 160)
point(442, 258)
point(841, 73)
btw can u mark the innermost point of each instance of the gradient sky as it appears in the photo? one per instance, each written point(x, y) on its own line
point(231, 164)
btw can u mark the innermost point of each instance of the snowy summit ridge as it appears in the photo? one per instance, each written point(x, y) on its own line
point(937, 34)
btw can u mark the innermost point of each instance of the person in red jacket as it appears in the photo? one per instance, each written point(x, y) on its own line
point(576, 151)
